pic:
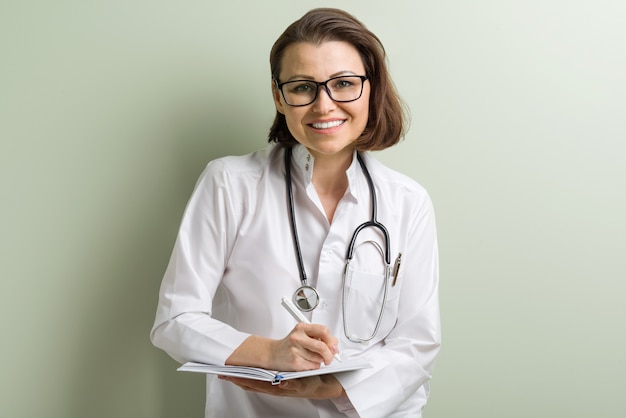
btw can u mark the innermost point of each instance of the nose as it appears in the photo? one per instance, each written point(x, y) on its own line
point(323, 103)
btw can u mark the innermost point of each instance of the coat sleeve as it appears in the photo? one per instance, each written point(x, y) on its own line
point(404, 362)
point(184, 327)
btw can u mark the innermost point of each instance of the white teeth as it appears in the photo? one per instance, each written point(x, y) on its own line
point(326, 125)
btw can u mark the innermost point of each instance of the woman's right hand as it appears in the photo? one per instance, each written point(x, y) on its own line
point(304, 348)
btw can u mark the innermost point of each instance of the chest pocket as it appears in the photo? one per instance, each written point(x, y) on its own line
point(363, 302)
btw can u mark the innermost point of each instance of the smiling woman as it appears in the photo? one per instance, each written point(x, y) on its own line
point(220, 297)
point(386, 124)
point(326, 126)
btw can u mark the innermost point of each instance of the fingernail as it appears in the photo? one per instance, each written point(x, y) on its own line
point(284, 384)
point(336, 349)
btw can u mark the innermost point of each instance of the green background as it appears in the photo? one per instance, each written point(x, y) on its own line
point(109, 110)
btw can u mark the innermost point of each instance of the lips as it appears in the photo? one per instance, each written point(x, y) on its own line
point(328, 124)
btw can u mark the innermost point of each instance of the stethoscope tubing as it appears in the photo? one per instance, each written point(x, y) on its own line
point(373, 222)
point(292, 217)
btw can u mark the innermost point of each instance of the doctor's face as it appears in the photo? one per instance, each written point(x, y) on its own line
point(326, 127)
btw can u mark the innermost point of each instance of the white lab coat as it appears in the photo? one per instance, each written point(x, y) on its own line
point(234, 260)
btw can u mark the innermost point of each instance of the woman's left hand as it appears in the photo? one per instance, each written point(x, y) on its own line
point(313, 387)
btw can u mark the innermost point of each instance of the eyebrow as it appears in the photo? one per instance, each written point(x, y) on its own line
point(308, 77)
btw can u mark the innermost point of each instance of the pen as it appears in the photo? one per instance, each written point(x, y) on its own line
point(298, 316)
point(396, 269)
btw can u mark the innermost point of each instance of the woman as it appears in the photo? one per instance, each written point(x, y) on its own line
point(279, 222)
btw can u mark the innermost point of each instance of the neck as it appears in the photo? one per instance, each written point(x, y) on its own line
point(329, 171)
point(330, 181)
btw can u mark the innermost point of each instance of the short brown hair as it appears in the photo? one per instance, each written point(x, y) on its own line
point(386, 122)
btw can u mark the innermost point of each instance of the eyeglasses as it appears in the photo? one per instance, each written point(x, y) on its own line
point(345, 88)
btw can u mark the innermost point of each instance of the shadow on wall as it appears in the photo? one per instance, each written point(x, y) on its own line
point(116, 371)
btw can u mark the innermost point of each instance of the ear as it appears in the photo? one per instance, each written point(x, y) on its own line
point(280, 108)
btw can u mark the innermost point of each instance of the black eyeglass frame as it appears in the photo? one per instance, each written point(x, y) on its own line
point(319, 84)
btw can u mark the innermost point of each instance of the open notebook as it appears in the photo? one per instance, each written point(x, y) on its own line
point(270, 375)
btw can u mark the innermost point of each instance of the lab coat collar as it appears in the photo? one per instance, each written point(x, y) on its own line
point(304, 162)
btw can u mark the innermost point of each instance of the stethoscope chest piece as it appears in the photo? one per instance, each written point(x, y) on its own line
point(306, 298)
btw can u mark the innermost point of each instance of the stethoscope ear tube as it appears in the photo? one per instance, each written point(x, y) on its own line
point(373, 221)
point(292, 217)
point(375, 224)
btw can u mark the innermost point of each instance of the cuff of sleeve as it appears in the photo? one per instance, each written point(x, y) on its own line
point(344, 406)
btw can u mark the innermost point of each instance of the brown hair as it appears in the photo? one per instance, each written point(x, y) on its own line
point(385, 126)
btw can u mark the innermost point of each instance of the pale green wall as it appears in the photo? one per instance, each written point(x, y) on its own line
point(110, 109)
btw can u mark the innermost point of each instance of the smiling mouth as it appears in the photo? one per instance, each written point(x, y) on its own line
point(327, 125)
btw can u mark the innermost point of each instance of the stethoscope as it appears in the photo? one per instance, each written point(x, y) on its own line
point(306, 297)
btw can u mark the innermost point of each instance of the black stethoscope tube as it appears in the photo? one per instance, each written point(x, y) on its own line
point(292, 217)
point(306, 297)
point(372, 222)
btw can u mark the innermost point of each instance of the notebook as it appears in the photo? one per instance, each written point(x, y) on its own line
point(275, 377)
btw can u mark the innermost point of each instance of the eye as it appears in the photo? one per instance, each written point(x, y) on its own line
point(301, 87)
point(343, 83)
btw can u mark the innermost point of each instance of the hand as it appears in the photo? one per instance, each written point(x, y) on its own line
point(314, 387)
point(304, 348)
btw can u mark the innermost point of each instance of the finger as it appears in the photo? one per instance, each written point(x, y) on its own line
point(252, 385)
point(306, 347)
point(320, 350)
point(322, 333)
point(285, 388)
point(293, 385)
point(303, 387)
point(317, 331)
point(320, 341)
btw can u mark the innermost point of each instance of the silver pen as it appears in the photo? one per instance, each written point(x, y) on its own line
point(396, 269)
point(299, 316)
